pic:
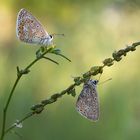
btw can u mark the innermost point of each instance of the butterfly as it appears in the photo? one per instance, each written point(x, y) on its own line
point(87, 103)
point(30, 30)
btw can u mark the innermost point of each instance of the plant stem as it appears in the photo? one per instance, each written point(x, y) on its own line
point(51, 60)
point(64, 57)
point(23, 119)
point(19, 75)
point(6, 106)
point(116, 56)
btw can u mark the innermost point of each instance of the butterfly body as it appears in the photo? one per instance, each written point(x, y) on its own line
point(30, 30)
point(87, 103)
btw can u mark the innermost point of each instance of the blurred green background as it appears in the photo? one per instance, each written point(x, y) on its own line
point(93, 30)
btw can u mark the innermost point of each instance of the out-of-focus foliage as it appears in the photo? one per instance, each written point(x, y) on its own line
point(93, 30)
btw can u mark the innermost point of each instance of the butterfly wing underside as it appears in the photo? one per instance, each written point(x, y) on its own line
point(87, 103)
point(29, 29)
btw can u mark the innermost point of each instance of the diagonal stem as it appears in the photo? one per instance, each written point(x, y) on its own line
point(117, 56)
point(64, 57)
point(23, 119)
point(19, 75)
point(51, 60)
point(6, 106)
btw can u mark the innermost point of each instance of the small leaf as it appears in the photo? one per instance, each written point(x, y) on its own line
point(77, 80)
point(39, 52)
point(37, 108)
point(58, 52)
point(72, 92)
point(108, 62)
point(50, 60)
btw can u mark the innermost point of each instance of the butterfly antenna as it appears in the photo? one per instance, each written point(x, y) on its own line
point(57, 34)
point(105, 81)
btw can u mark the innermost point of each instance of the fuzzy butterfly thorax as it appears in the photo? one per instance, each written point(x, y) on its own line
point(30, 30)
point(92, 83)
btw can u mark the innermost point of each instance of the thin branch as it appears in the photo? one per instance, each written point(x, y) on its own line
point(58, 52)
point(20, 73)
point(50, 60)
point(64, 57)
point(7, 104)
point(20, 121)
point(116, 56)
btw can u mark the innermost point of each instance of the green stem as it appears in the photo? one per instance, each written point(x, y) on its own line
point(23, 119)
point(19, 75)
point(117, 56)
point(6, 107)
point(64, 57)
point(51, 60)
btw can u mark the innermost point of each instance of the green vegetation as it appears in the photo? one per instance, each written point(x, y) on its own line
point(93, 29)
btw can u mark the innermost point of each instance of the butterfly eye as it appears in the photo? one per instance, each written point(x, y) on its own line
point(51, 36)
point(37, 26)
point(95, 82)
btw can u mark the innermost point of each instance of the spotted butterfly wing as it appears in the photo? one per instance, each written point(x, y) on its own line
point(87, 103)
point(29, 29)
